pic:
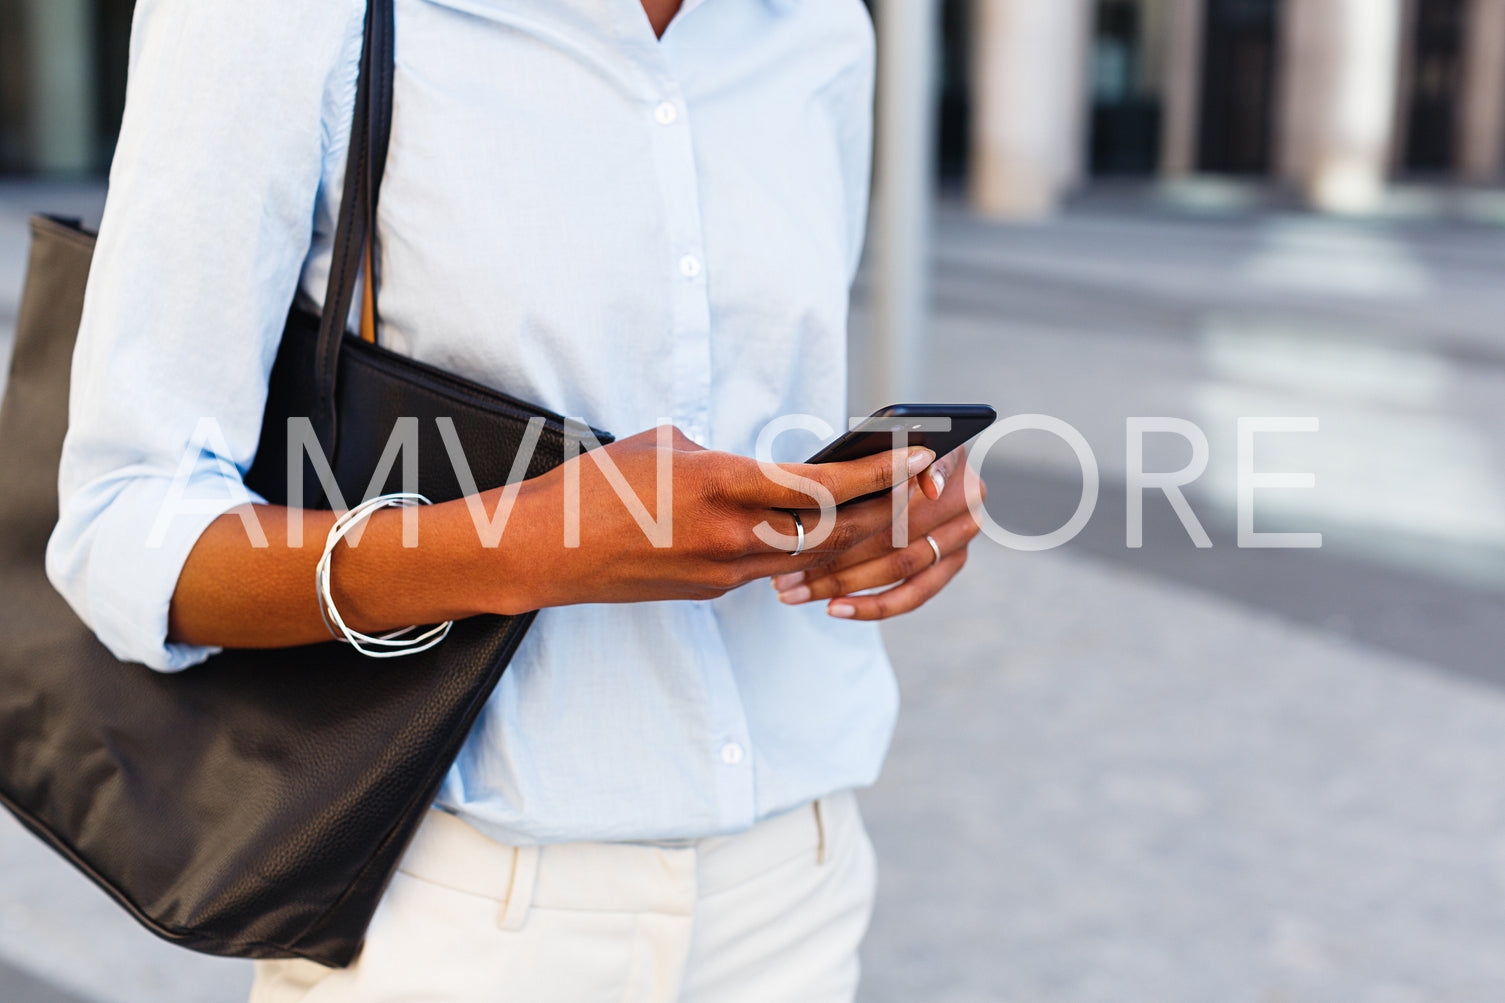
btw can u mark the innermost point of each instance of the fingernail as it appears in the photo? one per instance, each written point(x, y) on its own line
point(919, 459)
point(843, 610)
point(795, 596)
point(939, 479)
point(789, 581)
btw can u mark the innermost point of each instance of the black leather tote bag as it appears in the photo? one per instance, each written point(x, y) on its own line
point(256, 805)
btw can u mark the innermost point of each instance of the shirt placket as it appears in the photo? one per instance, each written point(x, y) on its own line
point(728, 744)
point(690, 361)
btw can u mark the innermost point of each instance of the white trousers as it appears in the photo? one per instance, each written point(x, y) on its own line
point(772, 915)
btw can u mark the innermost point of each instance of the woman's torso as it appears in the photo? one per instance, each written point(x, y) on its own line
point(627, 230)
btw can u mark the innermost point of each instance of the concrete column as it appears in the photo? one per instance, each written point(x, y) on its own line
point(908, 40)
point(1338, 99)
point(1481, 154)
point(1029, 117)
point(1405, 81)
point(1181, 129)
point(62, 102)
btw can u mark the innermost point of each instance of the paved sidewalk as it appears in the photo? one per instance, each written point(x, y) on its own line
point(17, 986)
point(57, 927)
point(1108, 789)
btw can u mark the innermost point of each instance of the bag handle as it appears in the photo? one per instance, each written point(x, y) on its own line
point(355, 232)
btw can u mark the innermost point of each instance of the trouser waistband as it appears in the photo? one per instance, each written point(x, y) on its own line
point(616, 877)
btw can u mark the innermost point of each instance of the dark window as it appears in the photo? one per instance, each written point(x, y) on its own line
point(15, 76)
point(1436, 78)
point(1238, 77)
point(1125, 115)
point(112, 49)
point(956, 108)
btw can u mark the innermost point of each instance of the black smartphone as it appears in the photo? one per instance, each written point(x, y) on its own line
point(941, 428)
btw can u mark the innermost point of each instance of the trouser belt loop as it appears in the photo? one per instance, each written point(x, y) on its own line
point(520, 888)
point(820, 833)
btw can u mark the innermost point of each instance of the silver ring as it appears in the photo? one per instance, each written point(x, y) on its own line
point(799, 528)
point(935, 547)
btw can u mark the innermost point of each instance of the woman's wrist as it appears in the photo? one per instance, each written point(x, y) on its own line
point(234, 593)
point(381, 584)
point(490, 572)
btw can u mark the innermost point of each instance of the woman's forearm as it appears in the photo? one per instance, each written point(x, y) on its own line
point(235, 595)
point(571, 542)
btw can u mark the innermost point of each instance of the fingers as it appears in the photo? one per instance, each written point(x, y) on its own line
point(851, 526)
point(924, 515)
point(890, 567)
point(936, 476)
point(905, 597)
point(801, 485)
point(876, 546)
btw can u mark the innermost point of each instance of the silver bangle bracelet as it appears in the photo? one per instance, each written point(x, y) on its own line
point(389, 645)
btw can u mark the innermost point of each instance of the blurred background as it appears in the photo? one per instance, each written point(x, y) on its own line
point(1164, 773)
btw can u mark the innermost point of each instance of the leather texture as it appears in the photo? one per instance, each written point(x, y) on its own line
point(256, 805)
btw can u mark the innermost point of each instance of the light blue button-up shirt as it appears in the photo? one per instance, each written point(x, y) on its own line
point(617, 227)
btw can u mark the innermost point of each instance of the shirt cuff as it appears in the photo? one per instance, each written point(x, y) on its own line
point(117, 560)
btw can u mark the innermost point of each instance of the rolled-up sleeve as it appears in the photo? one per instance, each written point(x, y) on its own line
point(207, 223)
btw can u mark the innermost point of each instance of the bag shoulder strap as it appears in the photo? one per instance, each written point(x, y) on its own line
point(355, 232)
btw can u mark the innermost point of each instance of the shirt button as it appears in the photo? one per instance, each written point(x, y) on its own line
point(689, 266)
point(666, 113)
point(731, 753)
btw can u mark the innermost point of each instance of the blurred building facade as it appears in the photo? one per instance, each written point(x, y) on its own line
point(1333, 98)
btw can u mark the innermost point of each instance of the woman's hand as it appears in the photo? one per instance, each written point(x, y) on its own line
point(910, 576)
point(719, 501)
